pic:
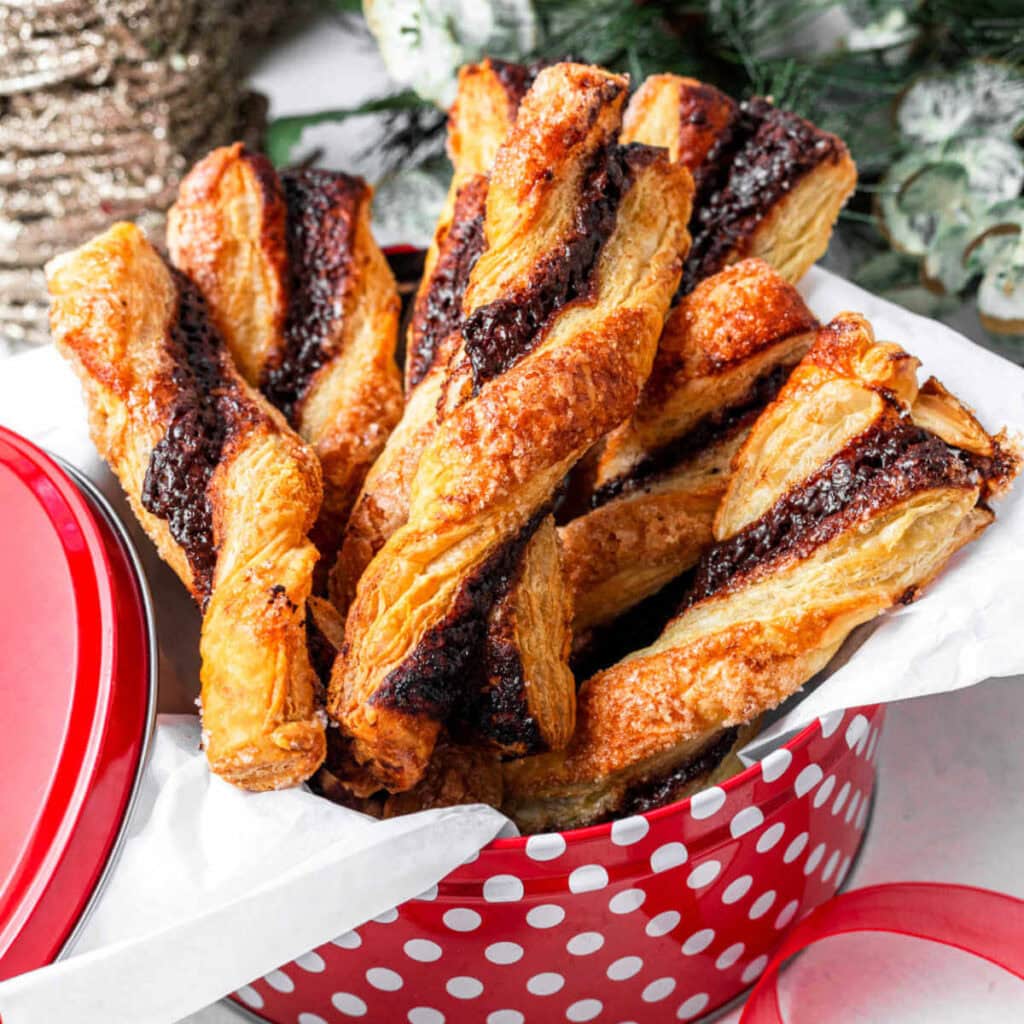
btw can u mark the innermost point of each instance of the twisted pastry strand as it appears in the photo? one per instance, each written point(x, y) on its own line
point(562, 324)
point(306, 302)
point(220, 483)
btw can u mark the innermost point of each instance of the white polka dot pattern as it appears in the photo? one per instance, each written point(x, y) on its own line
point(693, 1006)
point(625, 968)
point(503, 889)
point(546, 983)
point(464, 987)
point(698, 942)
point(280, 981)
point(584, 1009)
point(658, 990)
point(703, 805)
point(248, 995)
point(425, 1015)
point(311, 962)
point(746, 821)
point(461, 919)
point(669, 856)
point(547, 915)
point(349, 1004)
point(422, 951)
point(627, 831)
point(588, 878)
point(545, 847)
point(654, 918)
point(627, 901)
point(504, 952)
point(808, 778)
point(737, 889)
point(663, 923)
point(704, 874)
point(384, 978)
point(585, 943)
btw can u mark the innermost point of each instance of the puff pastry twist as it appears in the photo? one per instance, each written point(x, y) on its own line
point(307, 304)
point(218, 480)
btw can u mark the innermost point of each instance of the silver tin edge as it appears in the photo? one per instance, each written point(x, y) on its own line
point(103, 507)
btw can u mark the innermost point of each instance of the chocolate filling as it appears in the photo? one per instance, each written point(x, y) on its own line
point(499, 334)
point(322, 210)
point(207, 403)
point(446, 664)
point(499, 708)
point(438, 311)
point(517, 79)
point(646, 796)
point(708, 430)
point(875, 470)
point(765, 155)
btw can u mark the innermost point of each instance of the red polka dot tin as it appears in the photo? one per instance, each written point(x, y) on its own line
point(660, 917)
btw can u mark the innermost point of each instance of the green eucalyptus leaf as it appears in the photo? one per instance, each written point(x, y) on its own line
point(936, 187)
point(994, 166)
point(889, 269)
point(982, 97)
point(1001, 294)
point(406, 204)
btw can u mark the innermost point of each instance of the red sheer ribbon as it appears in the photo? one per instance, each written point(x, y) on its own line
point(987, 924)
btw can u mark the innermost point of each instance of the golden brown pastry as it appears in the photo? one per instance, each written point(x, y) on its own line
point(457, 774)
point(221, 484)
point(654, 483)
point(306, 302)
point(768, 183)
point(485, 107)
point(845, 501)
point(563, 310)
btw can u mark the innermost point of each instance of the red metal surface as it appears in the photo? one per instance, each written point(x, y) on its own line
point(74, 694)
point(657, 918)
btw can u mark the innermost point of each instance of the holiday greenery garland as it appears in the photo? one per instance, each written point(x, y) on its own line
point(928, 95)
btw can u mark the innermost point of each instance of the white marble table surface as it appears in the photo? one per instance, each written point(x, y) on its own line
point(948, 804)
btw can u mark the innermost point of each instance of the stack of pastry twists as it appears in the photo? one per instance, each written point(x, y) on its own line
point(220, 483)
point(306, 302)
point(562, 316)
point(850, 494)
point(653, 484)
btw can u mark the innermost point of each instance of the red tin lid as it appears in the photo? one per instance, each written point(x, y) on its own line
point(76, 668)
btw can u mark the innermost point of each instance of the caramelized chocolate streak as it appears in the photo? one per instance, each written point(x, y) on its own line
point(206, 408)
point(447, 662)
point(322, 210)
point(438, 310)
point(876, 470)
point(646, 796)
point(499, 334)
point(708, 430)
point(767, 153)
point(499, 709)
point(321, 652)
point(517, 79)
